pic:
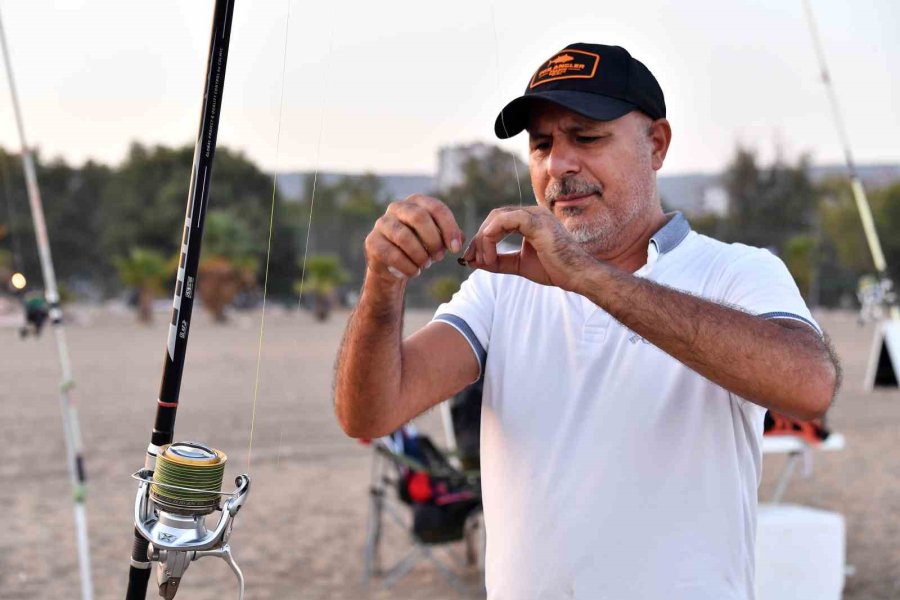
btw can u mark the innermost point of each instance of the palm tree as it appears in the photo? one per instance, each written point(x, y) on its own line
point(144, 271)
point(322, 276)
point(220, 279)
point(228, 265)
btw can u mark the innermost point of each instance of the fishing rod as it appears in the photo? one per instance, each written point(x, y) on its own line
point(180, 484)
point(71, 429)
point(859, 192)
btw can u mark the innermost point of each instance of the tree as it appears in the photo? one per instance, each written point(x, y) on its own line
point(342, 216)
point(886, 209)
point(146, 272)
point(767, 205)
point(72, 198)
point(799, 257)
point(842, 226)
point(144, 205)
point(323, 275)
point(71, 202)
point(6, 267)
point(228, 264)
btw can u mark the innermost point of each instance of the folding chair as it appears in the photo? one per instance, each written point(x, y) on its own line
point(415, 486)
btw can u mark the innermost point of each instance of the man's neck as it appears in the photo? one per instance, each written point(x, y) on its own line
point(633, 255)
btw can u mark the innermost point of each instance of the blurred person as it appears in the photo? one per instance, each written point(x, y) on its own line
point(628, 361)
point(36, 314)
point(875, 295)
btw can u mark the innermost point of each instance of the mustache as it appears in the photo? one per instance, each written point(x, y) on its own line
point(570, 186)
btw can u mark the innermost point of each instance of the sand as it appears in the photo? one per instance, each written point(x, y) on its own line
point(301, 533)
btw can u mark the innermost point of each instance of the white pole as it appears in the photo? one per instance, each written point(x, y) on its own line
point(449, 432)
point(859, 192)
point(71, 430)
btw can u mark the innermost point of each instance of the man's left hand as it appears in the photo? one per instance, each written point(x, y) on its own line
point(549, 254)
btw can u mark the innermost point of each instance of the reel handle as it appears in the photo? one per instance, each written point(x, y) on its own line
point(225, 554)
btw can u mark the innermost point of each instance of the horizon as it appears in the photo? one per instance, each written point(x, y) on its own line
point(44, 159)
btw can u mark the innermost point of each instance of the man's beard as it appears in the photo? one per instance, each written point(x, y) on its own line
point(600, 232)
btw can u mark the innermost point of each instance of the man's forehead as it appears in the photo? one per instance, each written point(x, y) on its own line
point(544, 116)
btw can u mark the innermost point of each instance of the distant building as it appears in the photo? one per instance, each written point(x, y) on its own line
point(698, 194)
point(293, 187)
point(452, 163)
point(693, 194)
point(715, 201)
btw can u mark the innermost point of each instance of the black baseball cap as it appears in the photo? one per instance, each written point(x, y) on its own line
point(596, 81)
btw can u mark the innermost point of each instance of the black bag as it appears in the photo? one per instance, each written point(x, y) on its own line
point(436, 524)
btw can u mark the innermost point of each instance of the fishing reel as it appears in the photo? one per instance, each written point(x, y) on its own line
point(171, 507)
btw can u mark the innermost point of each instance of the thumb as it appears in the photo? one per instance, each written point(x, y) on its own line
point(530, 264)
point(523, 262)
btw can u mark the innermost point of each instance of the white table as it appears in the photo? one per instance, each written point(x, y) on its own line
point(800, 551)
point(797, 449)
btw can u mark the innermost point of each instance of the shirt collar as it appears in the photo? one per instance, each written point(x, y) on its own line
point(666, 239)
point(672, 233)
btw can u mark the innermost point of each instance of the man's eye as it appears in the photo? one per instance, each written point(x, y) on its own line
point(540, 146)
point(587, 139)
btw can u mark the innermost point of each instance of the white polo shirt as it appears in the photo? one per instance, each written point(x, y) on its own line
point(610, 470)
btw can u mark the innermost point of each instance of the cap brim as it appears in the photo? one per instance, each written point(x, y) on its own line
point(514, 116)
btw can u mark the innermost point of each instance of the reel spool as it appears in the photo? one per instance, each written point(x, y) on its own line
point(183, 466)
point(171, 507)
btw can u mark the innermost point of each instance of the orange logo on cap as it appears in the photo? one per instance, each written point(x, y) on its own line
point(565, 66)
point(561, 59)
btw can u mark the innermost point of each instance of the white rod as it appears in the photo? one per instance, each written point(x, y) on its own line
point(859, 192)
point(68, 409)
point(449, 432)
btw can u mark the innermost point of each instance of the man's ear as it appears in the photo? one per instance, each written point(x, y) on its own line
point(660, 134)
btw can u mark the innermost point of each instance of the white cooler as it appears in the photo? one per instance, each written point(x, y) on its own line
point(799, 553)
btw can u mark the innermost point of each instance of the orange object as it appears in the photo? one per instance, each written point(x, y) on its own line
point(812, 432)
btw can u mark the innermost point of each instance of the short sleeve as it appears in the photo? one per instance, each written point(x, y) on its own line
point(759, 283)
point(471, 312)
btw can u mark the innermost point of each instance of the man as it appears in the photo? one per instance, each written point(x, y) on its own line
point(627, 360)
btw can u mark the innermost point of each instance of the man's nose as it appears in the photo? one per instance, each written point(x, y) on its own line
point(562, 161)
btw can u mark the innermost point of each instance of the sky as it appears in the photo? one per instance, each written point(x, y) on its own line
point(380, 86)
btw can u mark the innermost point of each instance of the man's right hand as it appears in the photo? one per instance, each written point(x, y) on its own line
point(410, 236)
point(383, 380)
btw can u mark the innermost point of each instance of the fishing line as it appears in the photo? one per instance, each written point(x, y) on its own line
point(515, 165)
point(569, 338)
point(312, 200)
point(262, 319)
point(500, 103)
point(312, 203)
point(462, 262)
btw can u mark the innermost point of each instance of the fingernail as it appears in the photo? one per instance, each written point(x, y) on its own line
point(419, 272)
point(455, 246)
point(441, 255)
point(396, 273)
point(428, 264)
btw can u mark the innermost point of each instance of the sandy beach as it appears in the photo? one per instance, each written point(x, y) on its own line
point(301, 533)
